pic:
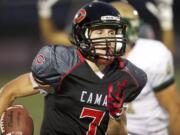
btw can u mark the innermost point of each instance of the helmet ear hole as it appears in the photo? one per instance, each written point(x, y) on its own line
point(77, 37)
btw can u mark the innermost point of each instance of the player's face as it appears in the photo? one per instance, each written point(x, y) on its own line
point(105, 45)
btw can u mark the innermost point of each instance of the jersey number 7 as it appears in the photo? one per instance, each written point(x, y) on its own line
point(97, 117)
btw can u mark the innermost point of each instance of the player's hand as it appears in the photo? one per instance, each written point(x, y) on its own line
point(115, 100)
point(162, 10)
point(45, 7)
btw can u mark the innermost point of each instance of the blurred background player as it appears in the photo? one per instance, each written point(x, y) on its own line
point(158, 20)
point(49, 30)
point(163, 11)
point(156, 110)
point(86, 86)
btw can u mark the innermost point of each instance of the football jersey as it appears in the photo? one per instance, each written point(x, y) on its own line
point(145, 116)
point(77, 106)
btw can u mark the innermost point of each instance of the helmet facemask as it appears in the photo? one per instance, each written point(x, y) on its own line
point(103, 47)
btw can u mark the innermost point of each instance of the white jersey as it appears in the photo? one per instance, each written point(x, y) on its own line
point(145, 116)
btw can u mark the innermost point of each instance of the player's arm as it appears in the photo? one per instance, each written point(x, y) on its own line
point(169, 99)
point(28, 84)
point(120, 93)
point(163, 11)
point(117, 127)
point(165, 90)
point(49, 32)
point(168, 39)
point(116, 108)
point(19, 87)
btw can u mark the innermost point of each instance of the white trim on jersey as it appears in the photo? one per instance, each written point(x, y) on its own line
point(36, 85)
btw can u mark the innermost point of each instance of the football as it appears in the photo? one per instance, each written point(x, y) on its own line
point(16, 121)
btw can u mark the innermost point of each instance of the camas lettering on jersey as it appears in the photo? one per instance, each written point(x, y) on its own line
point(93, 98)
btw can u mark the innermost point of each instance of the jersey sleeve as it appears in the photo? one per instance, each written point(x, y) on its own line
point(43, 68)
point(137, 79)
point(161, 74)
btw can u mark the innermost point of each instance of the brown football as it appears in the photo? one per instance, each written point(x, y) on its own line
point(16, 121)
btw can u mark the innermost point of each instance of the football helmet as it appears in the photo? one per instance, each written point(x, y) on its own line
point(131, 17)
point(98, 15)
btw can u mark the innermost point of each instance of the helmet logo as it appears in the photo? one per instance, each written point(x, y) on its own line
point(80, 16)
point(110, 18)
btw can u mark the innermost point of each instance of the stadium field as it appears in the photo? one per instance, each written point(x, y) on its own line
point(34, 104)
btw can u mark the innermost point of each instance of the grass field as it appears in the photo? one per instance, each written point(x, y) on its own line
point(34, 104)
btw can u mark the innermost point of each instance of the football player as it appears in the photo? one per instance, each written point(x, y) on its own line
point(156, 110)
point(87, 85)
